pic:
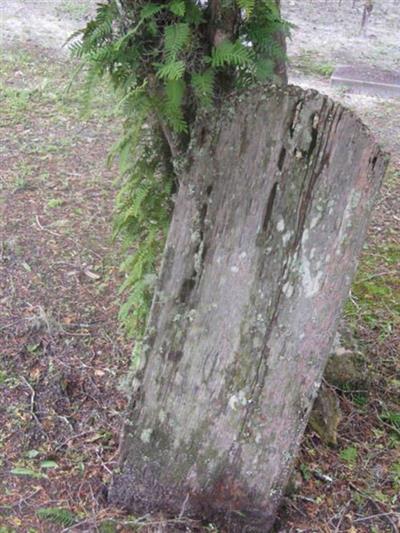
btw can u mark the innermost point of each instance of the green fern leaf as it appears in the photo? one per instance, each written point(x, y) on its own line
point(177, 7)
point(264, 69)
point(61, 517)
point(177, 121)
point(270, 9)
point(163, 38)
point(171, 71)
point(149, 10)
point(174, 91)
point(203, 86)
point(227, 53)
point(194, 14)
point(176, 38)
point(247, 6)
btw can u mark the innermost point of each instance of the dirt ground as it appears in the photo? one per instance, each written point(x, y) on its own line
point(47, 23)
point(62, 353)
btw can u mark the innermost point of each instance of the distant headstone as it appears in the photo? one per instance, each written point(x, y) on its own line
point(367, 80)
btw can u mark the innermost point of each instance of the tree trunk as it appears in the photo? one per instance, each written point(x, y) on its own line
point(267, 227)
point(280, 69)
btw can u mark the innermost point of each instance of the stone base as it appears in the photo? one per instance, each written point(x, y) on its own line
point(367, 80)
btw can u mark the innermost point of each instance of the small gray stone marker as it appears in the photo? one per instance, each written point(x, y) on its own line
point(369, 80)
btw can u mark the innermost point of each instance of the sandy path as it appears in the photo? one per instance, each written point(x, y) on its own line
point(331, 31)
point(41, 22)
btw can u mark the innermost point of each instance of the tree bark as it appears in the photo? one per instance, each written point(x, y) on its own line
point(268, 224)
point(280, 69)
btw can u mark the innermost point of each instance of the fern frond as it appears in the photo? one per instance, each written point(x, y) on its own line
point(176, 120)
point(232, 54)
point(264, 69)
point(247, 6)
point(61, 517)
point(176, 38)
point(177, 7)
point(203, 86)
point(92, 77)
point(158, 61)
point(149, 10)
point(194, 14)
point(173, 70)
point(174, 91)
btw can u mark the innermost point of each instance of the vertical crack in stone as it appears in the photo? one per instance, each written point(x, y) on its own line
point(313, 173)
point(269, 208)
point(281, 158)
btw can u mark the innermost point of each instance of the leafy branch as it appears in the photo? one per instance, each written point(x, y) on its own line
point(167, 61)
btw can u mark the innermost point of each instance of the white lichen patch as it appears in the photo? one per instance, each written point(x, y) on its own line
point(305, 236)
point(135, 385)
point(314, 221)
point(345, 225)
point(234, 269)
point(355, 199)
point(146, 435)
point(288, 289)
point(280, 225)
point(286, 238)
point(195, 237)
point(242, 397)
point(191, 315)
point(197, 258)
point(311, 282)
point(257, 343)
point(233, 402)
point(238, 400)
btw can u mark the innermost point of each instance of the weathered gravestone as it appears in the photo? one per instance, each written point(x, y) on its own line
point(261, 251)
point(367, 80)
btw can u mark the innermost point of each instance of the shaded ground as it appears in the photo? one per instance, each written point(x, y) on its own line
point(61, 349)
point(61, 352)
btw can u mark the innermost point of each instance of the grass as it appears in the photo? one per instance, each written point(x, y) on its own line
point(26, 83)
point(57, 197)
point(73, 9)
point(309, 63)
point(55, 202)
point(23, 173)
point(375, 295)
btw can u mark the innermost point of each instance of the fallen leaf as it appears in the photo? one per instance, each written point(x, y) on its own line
point(91, 274)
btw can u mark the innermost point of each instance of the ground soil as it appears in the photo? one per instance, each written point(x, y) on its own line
point(62, 353)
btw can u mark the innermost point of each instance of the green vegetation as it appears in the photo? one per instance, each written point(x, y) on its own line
point(168, 63)
point(74, 9)
point(375, 296)
point(311, 64)
point(349, 455)
point(55, 202)
point(58, 516)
